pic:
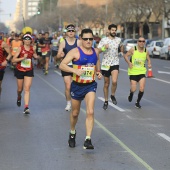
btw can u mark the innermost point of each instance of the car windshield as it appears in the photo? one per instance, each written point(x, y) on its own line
point(159, 44)
point(132, 42)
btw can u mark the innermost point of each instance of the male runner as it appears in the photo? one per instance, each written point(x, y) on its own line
point(86, 65)
point(64, 47)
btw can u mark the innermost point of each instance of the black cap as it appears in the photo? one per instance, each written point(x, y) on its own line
point(16, 35)
point(70, 27)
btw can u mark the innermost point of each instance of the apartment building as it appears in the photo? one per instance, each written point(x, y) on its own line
point(26, 9)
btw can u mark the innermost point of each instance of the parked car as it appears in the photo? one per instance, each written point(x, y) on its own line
point(154, 48)
point(148, 41)
point(128, 44)
point(165, 50)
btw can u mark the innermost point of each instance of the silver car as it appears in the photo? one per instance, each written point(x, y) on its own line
point(154, 48)
point(129, 44)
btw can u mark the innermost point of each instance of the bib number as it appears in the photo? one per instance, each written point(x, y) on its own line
point(15, 49)
point(44, 53)
point(55, 44)
point(70, 63)
point(138, 63)
point(39, 49)
point(26, 63)
point(104, 67)
point(88, 74)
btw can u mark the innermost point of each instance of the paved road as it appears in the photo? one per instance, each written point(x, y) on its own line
point(125, 138)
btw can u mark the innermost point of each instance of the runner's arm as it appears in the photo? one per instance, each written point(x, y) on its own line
point(35, 55)
point(102, 46)
point(15, 57)
point(60, 53)
point(129, 54)
point(149, 60)
point(71, 55)
point(98, 72)
point(7, 49)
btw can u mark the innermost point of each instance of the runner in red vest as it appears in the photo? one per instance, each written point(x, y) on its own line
point(24, 70)
point(4, 58)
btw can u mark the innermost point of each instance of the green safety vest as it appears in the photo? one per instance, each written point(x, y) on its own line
point(138, 60)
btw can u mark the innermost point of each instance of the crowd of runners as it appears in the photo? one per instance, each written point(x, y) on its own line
point(79, 62)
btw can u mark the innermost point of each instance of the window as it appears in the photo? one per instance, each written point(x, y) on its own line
point(159, 44)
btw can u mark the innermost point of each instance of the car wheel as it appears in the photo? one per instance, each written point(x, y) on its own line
point(166, 56)
point(153, 56)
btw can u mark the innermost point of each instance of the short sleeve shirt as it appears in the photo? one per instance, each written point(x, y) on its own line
point(110, 56)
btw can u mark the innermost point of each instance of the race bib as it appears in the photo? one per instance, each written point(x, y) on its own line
point(26, 63)
point(44, 53)
point(138, 63)
point(104, 67)
point(15, 49)
point(89, 73)
point(70, 63)
point(55, 44)
point(39, 49)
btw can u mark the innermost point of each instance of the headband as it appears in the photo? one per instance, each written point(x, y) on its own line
point(70, 28)
point(27, 36)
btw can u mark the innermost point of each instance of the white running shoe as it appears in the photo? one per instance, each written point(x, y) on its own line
point(68, 107)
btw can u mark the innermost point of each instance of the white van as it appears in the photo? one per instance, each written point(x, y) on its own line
point(165, 50)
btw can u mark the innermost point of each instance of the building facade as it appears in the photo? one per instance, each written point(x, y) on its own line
point(26, 9)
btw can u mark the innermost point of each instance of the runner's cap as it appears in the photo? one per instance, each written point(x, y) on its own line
point(27, 36)
point(16, 35)
point(70, 27)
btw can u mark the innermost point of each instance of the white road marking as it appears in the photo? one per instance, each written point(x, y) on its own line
point(123, 70)
point(164, 81)
point(161, 80)
point(164, 136)
point(111, 104)
point(163, 72)
point(167, 67)
point(57, 72)
point(147, 166)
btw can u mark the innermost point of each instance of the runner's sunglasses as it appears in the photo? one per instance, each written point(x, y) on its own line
point(85, 39)
point(141, 41)
point(70, 31)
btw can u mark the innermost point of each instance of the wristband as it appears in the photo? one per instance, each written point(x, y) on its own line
point(97, 72)
point(103, 49)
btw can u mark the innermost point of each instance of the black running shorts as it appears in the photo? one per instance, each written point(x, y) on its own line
point(22, 74)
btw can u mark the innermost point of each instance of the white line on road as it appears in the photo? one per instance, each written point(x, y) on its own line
point(123, 70)
point(152, 78)
point(163, 72)
point(147, 166)
point(111, 104)
point(164, 136)
point(167, 67)
point(161, 80)
point(58, 72)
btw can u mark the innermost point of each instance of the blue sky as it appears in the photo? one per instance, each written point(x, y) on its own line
point(7, 7)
